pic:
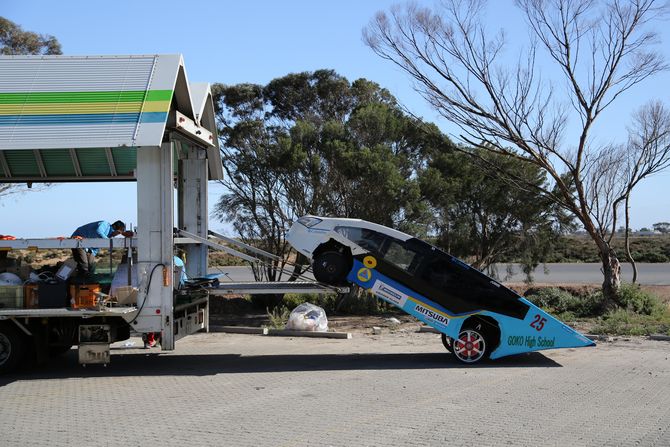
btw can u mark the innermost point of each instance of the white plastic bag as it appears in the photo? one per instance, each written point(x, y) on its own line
point(308, 317)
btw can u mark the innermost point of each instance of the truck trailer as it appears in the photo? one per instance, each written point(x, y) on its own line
point(108, 119)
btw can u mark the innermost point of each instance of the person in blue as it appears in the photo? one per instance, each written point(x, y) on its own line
point(179, 263)
point(85, 257)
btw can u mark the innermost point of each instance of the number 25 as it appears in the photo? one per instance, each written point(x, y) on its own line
point(538, 322)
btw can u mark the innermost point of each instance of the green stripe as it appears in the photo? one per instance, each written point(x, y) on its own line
point(159, 95)
point(83, 97)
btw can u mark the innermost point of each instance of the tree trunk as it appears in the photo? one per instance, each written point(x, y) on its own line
point(301, 262)
point(629, 256)
point(612, 278)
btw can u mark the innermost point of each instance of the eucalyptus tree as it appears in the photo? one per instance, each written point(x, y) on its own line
point(595, 51)
point(314, 143)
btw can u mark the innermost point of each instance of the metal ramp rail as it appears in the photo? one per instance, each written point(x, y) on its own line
point(256, 287)
point(267, 288)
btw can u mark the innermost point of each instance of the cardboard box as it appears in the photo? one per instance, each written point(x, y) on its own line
point(126, 295)
point(31, 296)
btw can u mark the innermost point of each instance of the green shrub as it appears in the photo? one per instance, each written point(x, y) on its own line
point(564, 304)
point(651, 257)
point(633, 298)
point(627, 322)
point(363, 302)
point(278, 317)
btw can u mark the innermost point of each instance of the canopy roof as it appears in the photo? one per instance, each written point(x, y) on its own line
point(83, 118)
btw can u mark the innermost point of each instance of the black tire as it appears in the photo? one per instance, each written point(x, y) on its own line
point(12, 348)
point(331, 267)
point(471, 346)
point(448, 343)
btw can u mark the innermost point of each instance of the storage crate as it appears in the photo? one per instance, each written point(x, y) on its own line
point(11, 297)
point(84, 296)
point(31, 296)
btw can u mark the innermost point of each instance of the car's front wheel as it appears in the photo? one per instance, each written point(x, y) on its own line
point(331, 267)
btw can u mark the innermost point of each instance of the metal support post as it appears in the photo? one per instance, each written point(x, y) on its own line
point(192, 209)
point(155, 201)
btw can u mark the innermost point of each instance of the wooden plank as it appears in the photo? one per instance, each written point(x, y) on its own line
point(288, 333)
point(432, 330)
point(239, 330)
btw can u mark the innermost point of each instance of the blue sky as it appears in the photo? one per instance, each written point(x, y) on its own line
point(248, 41)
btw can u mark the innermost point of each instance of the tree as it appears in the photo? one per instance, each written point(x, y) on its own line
point(662, 227)
point(314, 143)
point(484, 217)
point(647, 153)
point(599, 50)
point(14, 40)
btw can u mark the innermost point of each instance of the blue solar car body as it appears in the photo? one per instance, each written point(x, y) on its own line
point(478, 316)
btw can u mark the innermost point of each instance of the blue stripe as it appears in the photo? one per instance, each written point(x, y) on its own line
point(154, 117)
point(101, 118)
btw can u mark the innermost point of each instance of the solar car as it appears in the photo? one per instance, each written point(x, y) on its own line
point(477, 316)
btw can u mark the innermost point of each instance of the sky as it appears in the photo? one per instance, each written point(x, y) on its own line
point(252, 41)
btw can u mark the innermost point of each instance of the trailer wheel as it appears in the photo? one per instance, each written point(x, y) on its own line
point(331, 267)
point(471, 345)
point(12, 348)
point(448, 343)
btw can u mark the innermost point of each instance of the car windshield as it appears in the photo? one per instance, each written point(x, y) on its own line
point(390, 249)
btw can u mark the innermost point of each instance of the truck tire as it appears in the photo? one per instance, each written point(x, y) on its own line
point(12, 348)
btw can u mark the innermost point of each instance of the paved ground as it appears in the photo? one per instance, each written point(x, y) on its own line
point(397, 389)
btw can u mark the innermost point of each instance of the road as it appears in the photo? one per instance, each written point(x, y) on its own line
point(590, 273)
point(648, 274)
point(395, 389)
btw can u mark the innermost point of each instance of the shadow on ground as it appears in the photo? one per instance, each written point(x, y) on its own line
point(155, 364)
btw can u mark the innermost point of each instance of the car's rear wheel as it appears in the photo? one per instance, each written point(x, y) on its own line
point(331, 267)
point(470, 346)
point(448, 343)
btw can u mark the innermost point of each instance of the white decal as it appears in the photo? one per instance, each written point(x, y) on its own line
point(441, 319)
point(389, 293)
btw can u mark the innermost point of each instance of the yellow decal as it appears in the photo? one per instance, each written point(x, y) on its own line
point(364, 275)
point(370, 262)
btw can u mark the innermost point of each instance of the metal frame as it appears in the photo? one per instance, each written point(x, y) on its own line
point(36, 244)
point(266, 288)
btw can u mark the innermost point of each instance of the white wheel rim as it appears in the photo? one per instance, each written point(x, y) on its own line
point(470, 346)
